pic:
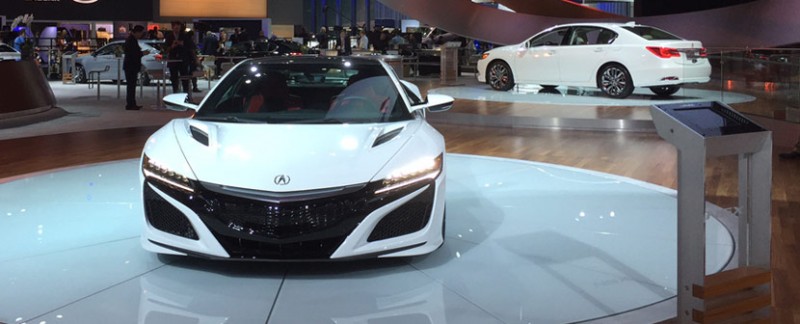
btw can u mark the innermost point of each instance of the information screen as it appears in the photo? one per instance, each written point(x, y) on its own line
point(711, 118)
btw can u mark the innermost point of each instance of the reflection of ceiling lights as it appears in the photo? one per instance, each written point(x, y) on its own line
point(492, 3)
point(85, 1)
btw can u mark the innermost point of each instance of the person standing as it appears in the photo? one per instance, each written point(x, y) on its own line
point(343, 43)
point(132, 64)
point(178, 56)
point(19, 42)
point(322, 38)
point(363, 41)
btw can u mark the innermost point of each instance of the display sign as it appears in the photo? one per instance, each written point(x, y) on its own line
point(83, 10)
point(710, 118)
point(214, 8)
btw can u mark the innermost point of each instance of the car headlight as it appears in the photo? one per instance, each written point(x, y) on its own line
point(154, 170)
point(420, 170)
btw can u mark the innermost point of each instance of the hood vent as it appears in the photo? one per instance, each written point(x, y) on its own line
point(199, 135)
point(388, 136)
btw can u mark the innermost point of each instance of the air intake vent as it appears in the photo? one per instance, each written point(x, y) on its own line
point(199, 135)
point(385, 137)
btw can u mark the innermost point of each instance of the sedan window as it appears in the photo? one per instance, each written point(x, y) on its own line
point(587, 35)
point(108, 50)
point(552, 38)
point(651, 33)
point(6, 48)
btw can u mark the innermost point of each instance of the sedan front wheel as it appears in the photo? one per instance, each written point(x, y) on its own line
point(615, 81)
point(500, 76)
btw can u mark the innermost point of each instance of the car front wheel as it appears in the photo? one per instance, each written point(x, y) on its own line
point(665, 91)
point(500, 76)
point(615, 81)
point(80, 74)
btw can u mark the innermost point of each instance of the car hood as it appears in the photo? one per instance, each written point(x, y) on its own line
point(254, 156)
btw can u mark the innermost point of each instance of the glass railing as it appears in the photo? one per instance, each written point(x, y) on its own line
point(758, 81)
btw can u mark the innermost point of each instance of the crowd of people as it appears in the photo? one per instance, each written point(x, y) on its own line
point(378, 40)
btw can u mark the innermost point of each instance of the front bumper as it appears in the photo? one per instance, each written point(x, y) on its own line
point(353, 222)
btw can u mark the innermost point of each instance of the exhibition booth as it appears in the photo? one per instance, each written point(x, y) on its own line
point(524, 241)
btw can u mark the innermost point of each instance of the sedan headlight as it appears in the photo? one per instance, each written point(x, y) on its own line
point(156, 171)
point(418, 171)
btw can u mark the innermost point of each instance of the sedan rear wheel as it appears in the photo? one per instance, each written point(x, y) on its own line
point(500, 76)
point(665, 91)
point(615, 81)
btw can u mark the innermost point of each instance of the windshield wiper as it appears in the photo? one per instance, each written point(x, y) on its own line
point(230, 119)
point(321, 121)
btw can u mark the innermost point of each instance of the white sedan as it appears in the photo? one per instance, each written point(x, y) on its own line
point(610, 56)
point(8, 53)
point(298, 158)
point(105, 60)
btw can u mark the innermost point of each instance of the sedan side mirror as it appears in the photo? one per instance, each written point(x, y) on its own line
point(179, 102)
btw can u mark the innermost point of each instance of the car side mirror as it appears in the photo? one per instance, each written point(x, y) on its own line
point(179, 102)
point(436, 103)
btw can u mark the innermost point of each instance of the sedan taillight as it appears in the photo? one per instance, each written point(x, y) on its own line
point(703, 52)
point(664, 52)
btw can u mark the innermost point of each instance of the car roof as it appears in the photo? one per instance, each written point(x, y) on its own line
point(362, 60)
point(602, 24)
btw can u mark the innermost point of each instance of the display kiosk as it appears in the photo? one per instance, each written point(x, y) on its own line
point(710, 129)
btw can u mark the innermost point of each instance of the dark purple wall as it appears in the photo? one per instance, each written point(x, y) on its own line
point(71, 10)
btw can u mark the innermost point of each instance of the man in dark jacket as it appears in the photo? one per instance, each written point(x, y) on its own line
point(132, 65)
point(179, 47)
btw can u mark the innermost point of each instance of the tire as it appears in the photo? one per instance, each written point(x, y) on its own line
point(665, 91)
point(80, 74)
point(499, 76)
point(144, 78)
point(615, 81)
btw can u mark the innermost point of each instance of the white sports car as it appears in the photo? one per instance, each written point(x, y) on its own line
point(611, 56)
point(298, 158)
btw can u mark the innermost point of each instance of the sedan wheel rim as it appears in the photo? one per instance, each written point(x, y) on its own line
point(613, 81)
point(498, 76)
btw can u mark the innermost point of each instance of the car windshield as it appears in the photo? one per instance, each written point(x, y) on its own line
point(306, 91)
point(651, 33)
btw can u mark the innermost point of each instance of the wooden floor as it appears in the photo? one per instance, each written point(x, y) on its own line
point(642, 156)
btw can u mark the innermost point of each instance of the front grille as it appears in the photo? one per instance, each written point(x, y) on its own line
point(249, 227)
point(408, 218)
point(165, 217)
point(274, 221)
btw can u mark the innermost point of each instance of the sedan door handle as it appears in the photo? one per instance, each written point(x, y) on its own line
point(598, 50)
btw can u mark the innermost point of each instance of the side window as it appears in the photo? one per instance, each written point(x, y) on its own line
point(108, 50)
point(587, 35)
point(4, 48)
point(552, 38)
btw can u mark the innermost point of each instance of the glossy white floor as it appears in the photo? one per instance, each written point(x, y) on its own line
point(526, 243)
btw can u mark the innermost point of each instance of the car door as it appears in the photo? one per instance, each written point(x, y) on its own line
point(105, 56)
point(8, 53)
point(586, 48)
point(537, 60)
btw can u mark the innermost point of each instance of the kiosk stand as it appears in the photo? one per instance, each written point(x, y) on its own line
point(698, 131)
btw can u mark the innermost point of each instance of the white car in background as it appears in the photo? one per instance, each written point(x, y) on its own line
point(613, 57)
point(106, 56)
point(8, 53)
point(298, 158)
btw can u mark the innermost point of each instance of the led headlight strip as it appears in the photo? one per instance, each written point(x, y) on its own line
point(420, 170)
point(156, 171)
